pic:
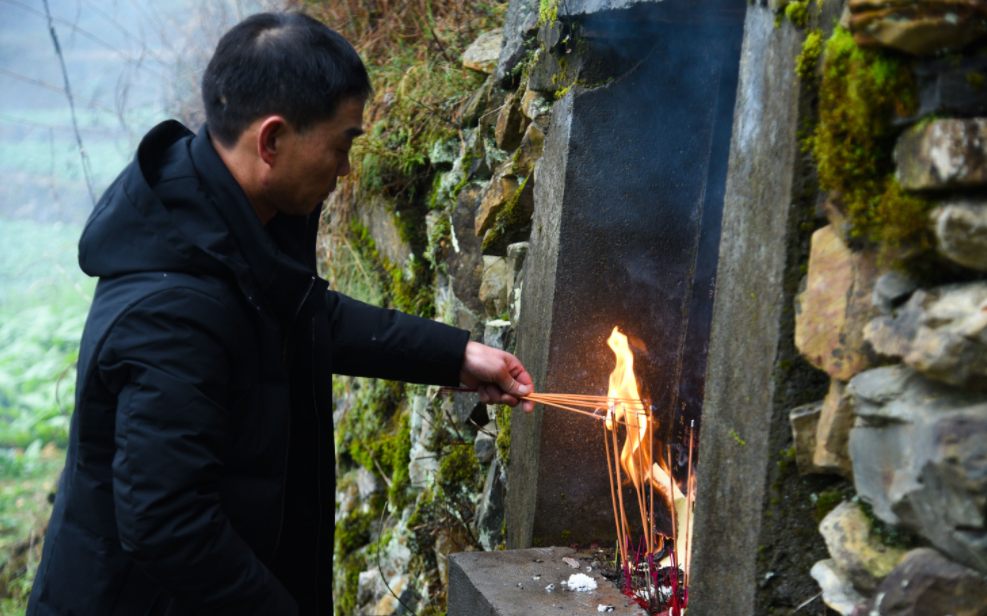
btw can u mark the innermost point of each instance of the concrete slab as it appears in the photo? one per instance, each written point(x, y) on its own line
point(503, 584)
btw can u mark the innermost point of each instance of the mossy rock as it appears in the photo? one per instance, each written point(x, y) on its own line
point(860, 94)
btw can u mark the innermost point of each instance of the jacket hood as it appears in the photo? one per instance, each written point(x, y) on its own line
point(177, 208)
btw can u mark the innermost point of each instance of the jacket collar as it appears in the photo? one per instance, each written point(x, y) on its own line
point(280, 257)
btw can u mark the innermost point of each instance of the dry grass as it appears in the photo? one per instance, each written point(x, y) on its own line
point(413, 52)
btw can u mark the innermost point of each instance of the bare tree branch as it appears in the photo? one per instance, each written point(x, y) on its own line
point(86, 171)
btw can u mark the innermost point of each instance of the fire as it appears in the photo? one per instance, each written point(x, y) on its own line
point(650, 478)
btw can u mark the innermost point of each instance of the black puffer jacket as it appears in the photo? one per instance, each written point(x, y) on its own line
point(200, 477)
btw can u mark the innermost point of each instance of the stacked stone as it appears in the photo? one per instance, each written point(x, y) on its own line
point(906, 414)
point(477, 240)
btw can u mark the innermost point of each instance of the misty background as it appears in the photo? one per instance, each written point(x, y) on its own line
point(130, 64)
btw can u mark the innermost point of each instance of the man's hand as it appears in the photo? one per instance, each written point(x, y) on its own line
point(499, 377)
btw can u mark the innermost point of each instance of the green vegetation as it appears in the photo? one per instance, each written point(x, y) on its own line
point(44, 299)
point(548, 11)
point(798, 13)
point(860, 93)
point(805, 64)
point(504, 434)
point(887, 534)
point(976, 81)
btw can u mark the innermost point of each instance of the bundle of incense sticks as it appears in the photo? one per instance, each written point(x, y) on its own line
point(591, 406)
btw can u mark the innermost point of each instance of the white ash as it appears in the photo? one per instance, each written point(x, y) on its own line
point(537, 577)
point(604, 608)
point(580, 582)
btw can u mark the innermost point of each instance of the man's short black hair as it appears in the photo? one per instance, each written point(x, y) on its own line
point(285, 64)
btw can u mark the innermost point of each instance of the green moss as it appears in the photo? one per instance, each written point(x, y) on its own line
point(407, 289)
point(565, 536)
point(459, 470)
point(805, 63)
point(438, 239)
point(548, 11)
point(504, 434)
point(378, 438)
point(976, 81)
point(829, 499)
point(510, 220)
point(346, 580)
point(798, 13)
point(737, 438)
point(352, 532)
point(887, 534)
point(860, 92)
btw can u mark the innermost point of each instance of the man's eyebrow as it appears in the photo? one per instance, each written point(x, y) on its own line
point(354, 132)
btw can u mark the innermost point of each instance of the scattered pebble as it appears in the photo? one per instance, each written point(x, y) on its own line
point(572, 562)
point(519, 586)
point(550, 587)
point(604, 608)
point(537, 577)
point(580, 582)
point(588, 569)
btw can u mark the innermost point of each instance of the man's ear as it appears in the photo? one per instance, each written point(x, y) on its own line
point(270, 137)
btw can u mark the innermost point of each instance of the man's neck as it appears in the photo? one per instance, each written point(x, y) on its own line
point(240, 170)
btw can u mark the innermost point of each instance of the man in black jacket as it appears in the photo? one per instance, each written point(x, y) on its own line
point(200, 472)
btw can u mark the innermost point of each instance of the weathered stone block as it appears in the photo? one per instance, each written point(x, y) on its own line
point(511, 124)
point(952, 86)
point(943, 154)
point(866, 561)
point(483, 53)
point(476, 105)
point(941, 332)
point(495, 196)
point(918, 27)
point(835, 306)
point(530, 150)
point(498, 278)
point(490, 510)
point(520, 27)
point(497, 334)
point(536, 107)
point(464, 263)
point(961, 231)
point(805, 422)
point(837, 591)
point(833, 432)
point(919, 452)
point(926, 584)
point(377, 215)
point(484, 445)
point(892, 290)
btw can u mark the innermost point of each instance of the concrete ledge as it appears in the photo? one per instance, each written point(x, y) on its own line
point(503, 584)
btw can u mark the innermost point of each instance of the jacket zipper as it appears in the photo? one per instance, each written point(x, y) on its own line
point(287, 443)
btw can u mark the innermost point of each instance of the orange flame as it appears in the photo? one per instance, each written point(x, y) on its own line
point(636, 454)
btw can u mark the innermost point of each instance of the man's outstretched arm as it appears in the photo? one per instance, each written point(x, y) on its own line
point(389, 344)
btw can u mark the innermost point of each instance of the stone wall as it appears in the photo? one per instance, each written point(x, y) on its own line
point(850, 262)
